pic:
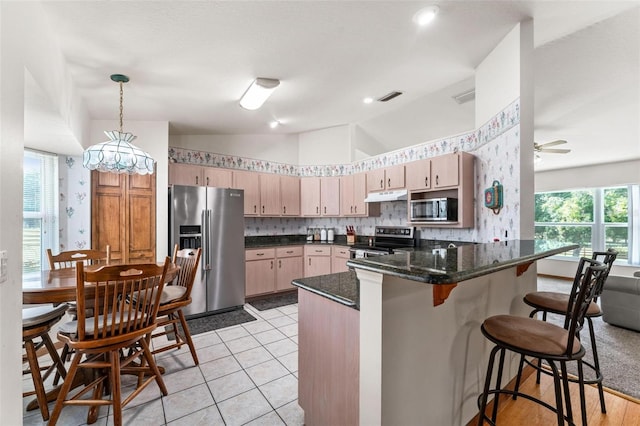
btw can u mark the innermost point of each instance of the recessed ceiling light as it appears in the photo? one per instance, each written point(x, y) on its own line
point(425, 16)
point(367, 100)
point(274, 124)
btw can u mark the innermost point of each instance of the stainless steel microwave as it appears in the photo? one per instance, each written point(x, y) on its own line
point(434, 209)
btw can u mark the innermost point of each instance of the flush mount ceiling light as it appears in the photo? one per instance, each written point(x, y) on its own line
point(425, 16)
point(118, 155)
point(274, 124)
point(367, 100)
point(258, 92)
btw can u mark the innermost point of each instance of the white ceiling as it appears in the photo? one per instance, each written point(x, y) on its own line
point(189, 63)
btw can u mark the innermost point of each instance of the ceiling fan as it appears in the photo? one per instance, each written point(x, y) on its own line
point(546, 147)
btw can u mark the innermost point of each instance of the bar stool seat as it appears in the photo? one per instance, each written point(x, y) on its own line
point(530, 337)
point(36, 324)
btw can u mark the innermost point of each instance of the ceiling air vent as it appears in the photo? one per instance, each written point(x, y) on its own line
point(389, 96)
point(465, 97)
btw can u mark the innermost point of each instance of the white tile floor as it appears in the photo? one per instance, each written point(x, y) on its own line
point(248, 375)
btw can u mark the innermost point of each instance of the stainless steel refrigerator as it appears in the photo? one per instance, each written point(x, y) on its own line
point(211, 218)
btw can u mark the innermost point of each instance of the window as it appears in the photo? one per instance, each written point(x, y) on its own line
point(597, 219)
point(40, 209)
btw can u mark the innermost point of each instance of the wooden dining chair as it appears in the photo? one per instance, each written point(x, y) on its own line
point(128, 296)
point(36, 325)
point(175, 297)
point(68, 259)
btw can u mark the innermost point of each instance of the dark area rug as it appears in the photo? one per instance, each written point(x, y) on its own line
point(275, 301)
point(618, 348)
point(220, 320)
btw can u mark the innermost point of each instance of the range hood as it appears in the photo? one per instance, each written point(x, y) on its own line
point(376, 197)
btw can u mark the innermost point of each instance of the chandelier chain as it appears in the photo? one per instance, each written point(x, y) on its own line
point(121, 101)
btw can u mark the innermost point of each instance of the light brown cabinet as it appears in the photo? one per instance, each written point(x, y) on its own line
point(269, 194)
point(250, 183)
point(190, 174)
point(353, 191)
point(272, 269)
point(289, 196)
point(452, 175)
point(123, 216)
point(389, 178)
point(260, 269)
point(289, 267)
point(317, 260)
point(320, 196)
point(418, 174)
point(339, 257)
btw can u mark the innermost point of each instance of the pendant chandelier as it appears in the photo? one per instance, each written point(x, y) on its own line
point(118, 154)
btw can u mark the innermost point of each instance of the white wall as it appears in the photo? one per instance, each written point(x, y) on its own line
point(26, 45)
point(504, 75)
point(281, 148)
point(325, 146)
point(152, 137)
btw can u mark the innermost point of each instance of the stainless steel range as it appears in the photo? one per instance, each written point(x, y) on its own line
point(386, 240)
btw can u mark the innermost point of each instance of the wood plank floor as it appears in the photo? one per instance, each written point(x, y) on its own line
point(620, 410)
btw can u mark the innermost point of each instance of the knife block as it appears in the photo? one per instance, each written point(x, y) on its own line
point(351, 238)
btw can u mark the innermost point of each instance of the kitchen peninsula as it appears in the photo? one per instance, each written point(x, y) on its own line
point(398, 340)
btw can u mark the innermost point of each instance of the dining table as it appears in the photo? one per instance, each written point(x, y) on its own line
point(59, 286)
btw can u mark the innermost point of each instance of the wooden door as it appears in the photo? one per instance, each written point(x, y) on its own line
point(375, 180)
point(219, 178)
point(290, 195)
point(269, 194)
point(108, 214)
point(123, 215)
point(444, 170)
point(185, 174)
point(330, 196)
point(250, 183)
point(260, 276)
point(141, 207)
point(394, 177)
point(310, 196)
point(289, 268)
point(418, 174)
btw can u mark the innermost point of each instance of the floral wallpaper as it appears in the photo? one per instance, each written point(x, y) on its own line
point(75, 204)
point(496, 146)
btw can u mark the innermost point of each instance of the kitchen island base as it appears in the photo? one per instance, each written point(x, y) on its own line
point(425, 364)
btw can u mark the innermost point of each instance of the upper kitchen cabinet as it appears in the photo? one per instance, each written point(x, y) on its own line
point(330, 196)
point(418, 175)
point(269, 194)
point(123, 216)
point(389, 178)
point(452, 176)
point(320, 196)
point(310, 196)
point(445, 170)
point(250, 183)
point(189, 174)
point(290, 195)
point(353, 191)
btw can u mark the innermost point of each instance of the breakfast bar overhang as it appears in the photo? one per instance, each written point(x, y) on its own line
point(422, 356)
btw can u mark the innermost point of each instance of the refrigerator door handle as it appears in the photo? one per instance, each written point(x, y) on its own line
point(207, 266)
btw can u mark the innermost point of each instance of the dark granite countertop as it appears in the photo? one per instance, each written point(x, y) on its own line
point(290, 240)
point(452, 265)
point(342, 287)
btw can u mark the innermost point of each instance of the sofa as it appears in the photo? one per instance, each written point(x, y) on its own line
point(620, 301)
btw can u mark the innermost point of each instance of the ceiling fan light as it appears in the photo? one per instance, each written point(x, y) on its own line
point(258, 92)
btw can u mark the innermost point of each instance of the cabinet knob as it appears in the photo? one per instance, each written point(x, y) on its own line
point(325, 209)
point(207, 180)
point(272, 264)
point(284, 209)
point(355, 209)
point(279, 263)
point(351, 209)
point(196, 180)
point(255, 208)
point(381, 183)
point(426, 181)
point(389, 183)
point(309, 261)
point(263, 209)
point(437, 180)
point(317, 210)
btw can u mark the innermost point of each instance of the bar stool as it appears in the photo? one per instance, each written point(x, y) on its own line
point(36, 324)
point(557, 303)
point(534, 338)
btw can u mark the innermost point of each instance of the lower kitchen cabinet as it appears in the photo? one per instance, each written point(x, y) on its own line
point(339, 257)
point(317, 260)
point(272, 269)
point(289, 267)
